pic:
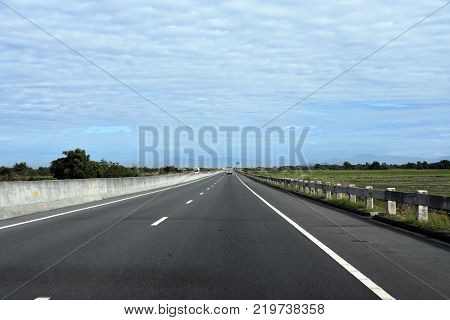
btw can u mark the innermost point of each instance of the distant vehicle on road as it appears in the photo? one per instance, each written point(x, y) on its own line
point(196, 170)
point(228, 170)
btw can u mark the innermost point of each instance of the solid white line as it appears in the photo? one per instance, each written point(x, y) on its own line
point(154, 224)
point(347, 266)
point(201, 193)
point(189, 201)
point(98, 205)
point(42, 298)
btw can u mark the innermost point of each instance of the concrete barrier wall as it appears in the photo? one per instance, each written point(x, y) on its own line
point(24, 197)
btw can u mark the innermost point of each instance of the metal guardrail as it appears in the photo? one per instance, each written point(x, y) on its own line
point(421, 199)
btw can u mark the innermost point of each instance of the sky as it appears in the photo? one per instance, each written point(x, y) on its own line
point(225, 63)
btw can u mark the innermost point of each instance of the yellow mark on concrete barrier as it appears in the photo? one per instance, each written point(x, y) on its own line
point(36, 194)
point(94, 187)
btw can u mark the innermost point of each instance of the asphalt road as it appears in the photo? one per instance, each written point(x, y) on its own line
point(224, 237)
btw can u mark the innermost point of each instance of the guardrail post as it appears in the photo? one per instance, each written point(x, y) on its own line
point(338, 193)
point(328, 192)
point(391, 206)
point(307, 187)
point(313, 187)
point(422, 211)
point(319, 188)
point(369, 199)
point(300, 183)
point(351, 196)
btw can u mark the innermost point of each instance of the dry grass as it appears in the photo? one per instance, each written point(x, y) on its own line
point(437, 220)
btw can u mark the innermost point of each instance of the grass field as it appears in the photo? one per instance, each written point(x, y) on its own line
point(406, 180)
point(435, 181)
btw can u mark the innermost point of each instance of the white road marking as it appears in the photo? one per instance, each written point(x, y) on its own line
point(347, 266)
point(42, 298)
point(98, 205)
point(154, 224)
point(189, 201)
point(201, 193)
point(207, 188)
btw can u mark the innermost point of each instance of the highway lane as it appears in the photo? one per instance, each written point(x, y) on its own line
point(406, 265)
point(217, 241)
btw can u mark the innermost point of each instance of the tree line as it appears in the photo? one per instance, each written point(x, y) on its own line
point(375, 165)
point(77, 164)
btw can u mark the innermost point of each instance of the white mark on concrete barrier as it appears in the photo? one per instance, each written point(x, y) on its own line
point(154, 224)
point(347, 266)
point(98, 205)
point(189, 201)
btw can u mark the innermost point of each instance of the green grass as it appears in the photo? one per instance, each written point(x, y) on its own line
point(439, 221)
point(435, 181)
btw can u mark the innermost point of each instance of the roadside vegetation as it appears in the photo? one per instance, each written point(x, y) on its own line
point(77, 164)
point(21, 171)
point(402, 178)
point(435, 181)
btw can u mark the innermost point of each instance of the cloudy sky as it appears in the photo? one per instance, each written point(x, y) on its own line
point(224, 63)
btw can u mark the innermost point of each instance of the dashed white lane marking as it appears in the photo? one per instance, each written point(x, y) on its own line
point(201, 193)
point(154, 224)
point(347, 266)
point(189, 201)
point(42, 298)
point(99, 205)
point(207, 188)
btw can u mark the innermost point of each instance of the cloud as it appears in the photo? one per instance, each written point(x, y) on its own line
point(387, 105)
point(108, 130)
point(219, 63)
